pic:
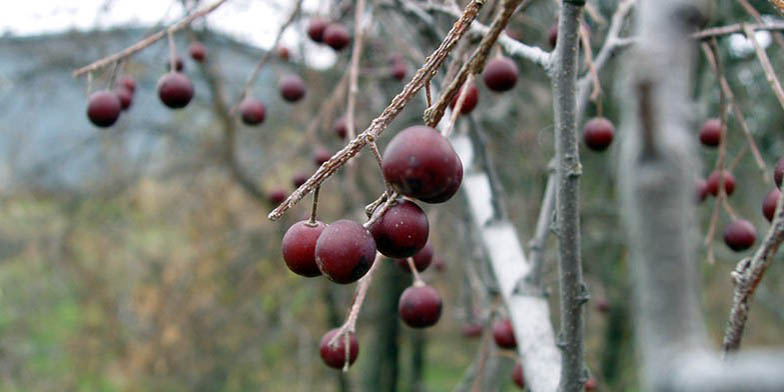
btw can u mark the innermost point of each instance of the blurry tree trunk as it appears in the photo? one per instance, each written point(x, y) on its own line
point(418, 343)
point(382, 368)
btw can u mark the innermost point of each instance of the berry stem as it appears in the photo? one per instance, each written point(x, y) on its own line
point(418, 282)
point(313, 209)
point(172, 52)
point(458, 106)
point(428, 94)
point(379, 212)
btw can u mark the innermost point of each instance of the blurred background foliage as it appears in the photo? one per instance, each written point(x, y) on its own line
point(133, 259)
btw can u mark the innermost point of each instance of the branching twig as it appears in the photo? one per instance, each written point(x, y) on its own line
point(539, 239)
point(770, 74)
point(356, 53)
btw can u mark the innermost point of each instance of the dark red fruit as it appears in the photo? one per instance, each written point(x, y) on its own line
point(420, 306)
point(422, 259)
point(402, 231)
point(713, 183)
point(702, 189)
point(128, 82)
point(421, 163)
point(500, 74)
point(253, 111)
point(299, 247)
point(472, 330)
point(103, 108)
point(345, 251)
point(277, 196)
point(602, 305)
point(175, 90)
point(335, 356)
point(710, 134)
point(299, 179)
point(769, 204)
point(778, 172)
point(517, 375)
point(321, 155)
point(179, 64)
point(399, 69)
point(316, 28)
point(125, 96)
point(198, 51)
point(283, 53)
point(591, 384)
point(503, 334)
point(552, 35)
point(471, 99)
point(292, 88)
point(598, 133)
point(740, 235)
point(340, 127)
point(336, 36)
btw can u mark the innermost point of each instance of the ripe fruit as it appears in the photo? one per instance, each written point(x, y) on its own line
point(321, 155)
point(345, 251)
point(283, 53)
point(422, 259)
point(198, 51)
point(252, 110)
point(552, 35)
point(591, 384)
point(336, 36)
point(299, 247)
point(335, 356)
point(316, 28)
point(702, 189)
point(713, 183)
point(299, 179)
point(179, 64)
point(420, 306)
point(471, 99)
point(399, 69)
point(175, 90)
point(277, 196)
point(769, 204)
point(125, 96)
point(778, 172)
point(503, 334)
point(128, 82)
point(602, 305)
point(598, 133)
point(340, 127)
point(517, 375)
point(402, 231)
point(740, 235)
point(500, 74)
point(710, 134)
point(472, 330)
point(292, 88)
point(420, 163)
point(103, 108)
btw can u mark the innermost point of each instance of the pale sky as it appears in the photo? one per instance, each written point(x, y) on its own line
point(251, 21)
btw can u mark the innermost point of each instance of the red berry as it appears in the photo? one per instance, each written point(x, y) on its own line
point(292, 88)
point(198, 51)
point(769, 204)
point(277, 196)
point(399, 69)
point(252, 110)
point(335, 356)
point(740, 235)
point(345, 251)
point(321, 155)
point(179, 64)
point(175, 90)
point(517, 375)
point(710, 134)
point(299, 179)
point(591, 384)
point(471, 99)
point(472, 330)
point(713, 183)
point(500, 74)
point(402, 231)
point(503, 334)
point(420, 306)
point(316, 28)
point(552, 35)
point(598, 133)
point(299, 247)
point(421, 163)
point(778, 172)
point(336, 36)
point(125, 96)
point(340, 127)
point(702, 189)
point(422, 259)
point(128, 82)
point(602, 305)
point(103, 108)
point(283, 53)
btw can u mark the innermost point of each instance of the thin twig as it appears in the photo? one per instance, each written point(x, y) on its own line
point(350, 326)
point(770, 74)
point(356, 53)
point(756, 15)
point(586, 40)
point(543, 224)
point(736, 28)
point(418, 282)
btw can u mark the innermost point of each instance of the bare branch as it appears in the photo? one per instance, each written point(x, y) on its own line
point(770, 74)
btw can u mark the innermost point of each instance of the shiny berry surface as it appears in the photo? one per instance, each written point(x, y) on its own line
point(740, 235)
point(125, 96)
point(316, 28)
point(103, 108)
point(335, 356)
point(198, 51)
point(402, 231)
point(252, 111)
point(299, 247)
point(292, 88)
point(769, 204)
point(175, 90)
point(598, 133)
point(420, 306)
point(710, 133)
point(345, 251)
point(713, 183)
point(336, 36)
point(470, 101)
point(277, 195)
point(503, 334)
point(500, 74)
point(422, 259)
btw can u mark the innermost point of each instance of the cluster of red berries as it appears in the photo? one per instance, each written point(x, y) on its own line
point(335, 35)
point(104, 107)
